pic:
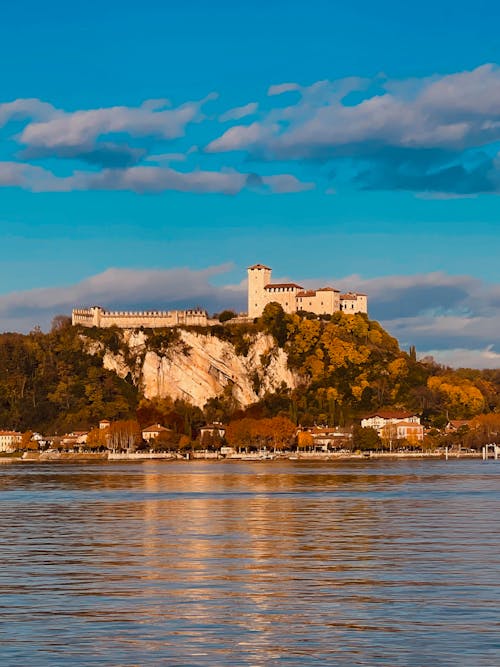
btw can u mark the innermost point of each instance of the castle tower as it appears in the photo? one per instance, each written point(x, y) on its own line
point(258, 277)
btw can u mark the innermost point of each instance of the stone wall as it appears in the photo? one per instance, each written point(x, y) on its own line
point(98, 317)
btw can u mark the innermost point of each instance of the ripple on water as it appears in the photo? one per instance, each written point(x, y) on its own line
point(281, 563)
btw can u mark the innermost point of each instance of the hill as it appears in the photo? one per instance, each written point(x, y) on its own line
point(329, 370)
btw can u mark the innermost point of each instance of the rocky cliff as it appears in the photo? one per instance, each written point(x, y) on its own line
point(200, 366)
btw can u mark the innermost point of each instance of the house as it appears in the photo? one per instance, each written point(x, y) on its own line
point(10, 440)
point(330, 438)
point(402, 430)
point(104, 423)
point(74, 439)
point(152, 432)
point(212, 434)
point(378, 420)
point(213, 429)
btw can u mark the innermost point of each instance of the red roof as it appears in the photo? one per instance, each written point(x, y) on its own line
point(391, 414)
point(310, 292)
point(259, 266)
point(155, 428)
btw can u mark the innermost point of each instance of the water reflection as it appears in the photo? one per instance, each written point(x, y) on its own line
point(250, 564)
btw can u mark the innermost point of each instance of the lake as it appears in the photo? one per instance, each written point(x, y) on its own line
point(266, 563)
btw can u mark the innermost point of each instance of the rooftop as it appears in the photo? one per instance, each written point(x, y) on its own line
point(391, 414)
point(259, 266)
point(283, 285)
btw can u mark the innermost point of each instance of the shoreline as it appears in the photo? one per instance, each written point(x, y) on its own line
point(134, 457)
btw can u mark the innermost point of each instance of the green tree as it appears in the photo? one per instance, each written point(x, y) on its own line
point(274, 321)
point(365, 438)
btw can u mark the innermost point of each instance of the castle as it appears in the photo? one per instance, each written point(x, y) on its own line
point(98, 317)
point(293, 297)
point(261, 291)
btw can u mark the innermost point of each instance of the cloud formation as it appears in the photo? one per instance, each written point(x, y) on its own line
point(146, 179)
point(436, 134)
point(239, 112)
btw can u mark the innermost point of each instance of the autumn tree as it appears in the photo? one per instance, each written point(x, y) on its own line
point(97, 438)
point(124, 434)
point(304, 440)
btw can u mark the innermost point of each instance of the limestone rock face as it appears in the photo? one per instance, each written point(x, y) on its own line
point(201, 366)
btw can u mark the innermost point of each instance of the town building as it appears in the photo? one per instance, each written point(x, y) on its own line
point(379, 420)
point(9, 440)
point(216, 429)
point(154, 431)
point(292, 297)
point(410, 431)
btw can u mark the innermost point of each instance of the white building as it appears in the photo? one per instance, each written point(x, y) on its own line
point(153, 432)
point(10, 440)
point(293, 297)
point(379, 420)
point(404, 430)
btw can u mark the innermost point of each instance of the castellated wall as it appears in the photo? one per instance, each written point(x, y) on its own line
point(98, 317)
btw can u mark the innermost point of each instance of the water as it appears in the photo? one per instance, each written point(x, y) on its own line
point(275, 563)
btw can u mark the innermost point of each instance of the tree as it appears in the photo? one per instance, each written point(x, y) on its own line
point(125, 434)
point(304, 440)
point(365, 438)
point(226, 315)
point(27, 443)
point(275, 322)
point(97, 438)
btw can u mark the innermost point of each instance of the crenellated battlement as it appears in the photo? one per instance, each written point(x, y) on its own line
point(129, 319)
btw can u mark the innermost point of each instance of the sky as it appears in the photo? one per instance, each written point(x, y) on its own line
point(150, 152)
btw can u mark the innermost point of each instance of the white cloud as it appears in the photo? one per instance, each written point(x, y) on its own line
point(454, 111)
point(82, 128)
point(280, 88)
point(241, 137)
point(284, 183)
point(22, 109)
point(239, 112)
point(464, 358)
point(145, 179)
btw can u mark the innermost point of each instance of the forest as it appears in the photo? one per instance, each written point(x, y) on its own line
point(349, 366)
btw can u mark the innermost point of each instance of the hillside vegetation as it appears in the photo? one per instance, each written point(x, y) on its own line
point(348, 366)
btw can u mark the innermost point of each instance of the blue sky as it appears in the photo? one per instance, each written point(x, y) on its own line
point(355, 144)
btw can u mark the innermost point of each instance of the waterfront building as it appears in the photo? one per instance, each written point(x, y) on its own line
point(379, 420)
point(9, 440)
point(410, 431)
point(154, 431)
